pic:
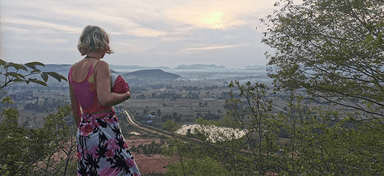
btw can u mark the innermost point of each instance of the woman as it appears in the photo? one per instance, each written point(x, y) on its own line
point(101, 147)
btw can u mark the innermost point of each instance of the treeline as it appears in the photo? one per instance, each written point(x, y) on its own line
point(176, 117)
point(23, 95)
point(207, 116)
point(170, 94)
point(47, 105)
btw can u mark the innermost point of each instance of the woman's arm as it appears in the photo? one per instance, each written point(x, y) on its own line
point(75, 106)
point(104, 94)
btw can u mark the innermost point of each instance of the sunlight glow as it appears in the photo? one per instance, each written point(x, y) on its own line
point(215, 19)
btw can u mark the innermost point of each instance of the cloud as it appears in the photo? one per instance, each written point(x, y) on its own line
point(15, 29)
point(43, 24)
point(147, 32)
point(186, 31)
point(213, 47)
point(194, 50)
point(223, 14)
point(132, 46)
point(120, 14)
point(41, 40)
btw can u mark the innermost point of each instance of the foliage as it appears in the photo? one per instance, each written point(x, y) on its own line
point(174, 116)
point(194, 167)
point(34, 151)
point(47, 105)
point(233, 155)
point(149, 149)
point(170, 125)
point(10, 134)
point(53, 138)
point(208, 115)
point(333, 49)
point(187, 159)
point(12, 73)
point(316, 143)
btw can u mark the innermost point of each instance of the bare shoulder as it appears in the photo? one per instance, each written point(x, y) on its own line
point(101, 66)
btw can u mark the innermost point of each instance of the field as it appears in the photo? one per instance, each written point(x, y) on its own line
point(187, 107)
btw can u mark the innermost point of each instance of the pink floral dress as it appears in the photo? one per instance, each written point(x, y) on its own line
point(101, 147)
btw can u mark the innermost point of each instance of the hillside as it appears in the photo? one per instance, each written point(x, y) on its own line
point(153, 74)
point(127, 68)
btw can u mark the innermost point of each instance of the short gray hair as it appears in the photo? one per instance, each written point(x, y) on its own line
point(93, 38)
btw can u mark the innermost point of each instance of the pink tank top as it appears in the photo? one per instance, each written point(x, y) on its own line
point(85, 92)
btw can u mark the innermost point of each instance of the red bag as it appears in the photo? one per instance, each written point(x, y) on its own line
point(120, 85)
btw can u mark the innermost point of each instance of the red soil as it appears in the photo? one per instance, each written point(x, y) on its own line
point(152, 164)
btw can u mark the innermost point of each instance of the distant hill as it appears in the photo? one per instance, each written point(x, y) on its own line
point(55, 68)
point(135, 67)
point(200, 66)
point(152, 74)
point(256, 67)
point(60, 68)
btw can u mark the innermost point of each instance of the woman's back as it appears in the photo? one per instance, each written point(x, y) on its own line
point(81, 68)
point(81, 76)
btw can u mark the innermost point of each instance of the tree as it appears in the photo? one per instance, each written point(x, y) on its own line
point(332, 49)
point(158, 112)
point(35, 149)
point(145, 111)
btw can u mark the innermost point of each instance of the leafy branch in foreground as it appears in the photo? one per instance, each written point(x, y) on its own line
point(12, 73)
point(44, 151)
point(332, 49)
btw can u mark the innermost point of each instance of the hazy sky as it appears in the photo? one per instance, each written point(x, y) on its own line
point(143, 32)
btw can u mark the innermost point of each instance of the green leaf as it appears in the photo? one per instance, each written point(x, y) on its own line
point(14, 74)
point(35, 71)
point(18, 80)
point(369, 38)
point(57, 76)
point(36, 81)
point(8, 64)
point(16, 66)
point(33, 64)
point(20, 66)
point(44, 76)
point(2, 62)
point(8, 100)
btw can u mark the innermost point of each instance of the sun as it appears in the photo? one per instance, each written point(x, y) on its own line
point(215, 19)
